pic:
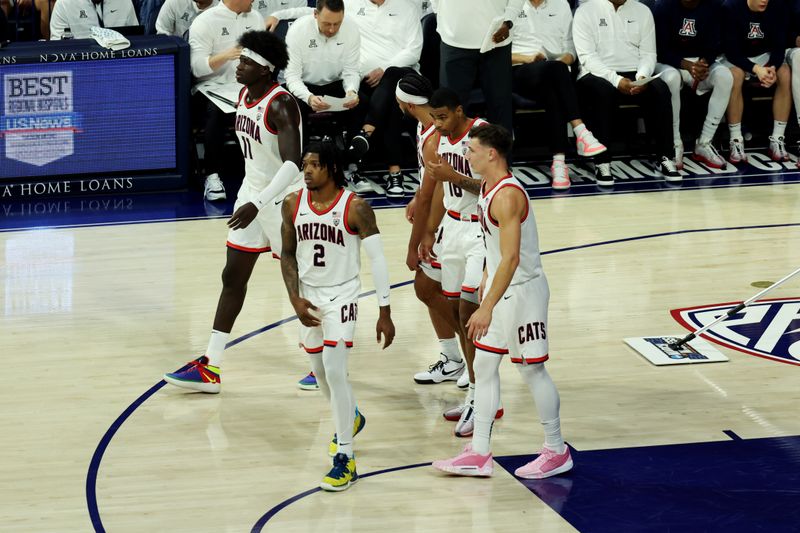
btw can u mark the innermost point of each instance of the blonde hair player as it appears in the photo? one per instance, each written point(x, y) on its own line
point(324, 227)
point(512, 317)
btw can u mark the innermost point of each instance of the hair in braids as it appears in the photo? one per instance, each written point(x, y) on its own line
point(416, 85)
point(330, 157)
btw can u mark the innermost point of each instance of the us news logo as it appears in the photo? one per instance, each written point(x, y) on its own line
point(769, 329)
point(39, 123)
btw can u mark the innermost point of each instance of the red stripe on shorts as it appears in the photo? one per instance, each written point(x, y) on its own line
point(490, 349)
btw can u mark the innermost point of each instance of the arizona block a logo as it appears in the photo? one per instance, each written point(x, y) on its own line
point(688, 28)
point(769, 329)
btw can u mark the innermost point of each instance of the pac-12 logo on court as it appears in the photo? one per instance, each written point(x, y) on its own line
point(769, 328)
point(38, 122)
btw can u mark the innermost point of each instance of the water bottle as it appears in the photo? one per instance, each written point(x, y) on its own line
point(67, 34)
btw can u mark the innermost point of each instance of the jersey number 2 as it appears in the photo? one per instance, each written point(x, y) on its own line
point(319, 255)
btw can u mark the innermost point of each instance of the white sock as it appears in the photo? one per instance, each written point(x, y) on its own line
point(794, 64)
point(334, 360)
point(736, 131)
point(579, 129)
point(722, 82)
point(558, 159)
point(471, 389)
point(487, 398)
point(449, 348)
point(547, 401)
point(319, 372)
point(778, 128)
point(216, 347)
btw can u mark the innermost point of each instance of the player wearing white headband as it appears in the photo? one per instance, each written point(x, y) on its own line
point(269, 132)
point(413, 93)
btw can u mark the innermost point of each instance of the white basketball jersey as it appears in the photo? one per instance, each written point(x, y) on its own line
point(530, 262)
point(453, 151)
point(422, 136)
point(328, 251)
point(258, 141)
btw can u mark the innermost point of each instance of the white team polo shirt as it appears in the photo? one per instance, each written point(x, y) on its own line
point(391, 35)
point(319, 60)
point(464, 23)
point(176, 16)
point(546, 29)
point(214, 30)
point(80, 15)
point(610, 41)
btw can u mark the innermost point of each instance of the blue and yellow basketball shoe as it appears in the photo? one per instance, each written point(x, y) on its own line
point(199, 376)
point(342, 475)
point(358, 424)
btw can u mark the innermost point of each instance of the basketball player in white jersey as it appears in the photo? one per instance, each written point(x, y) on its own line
point(413, 93)
point(512, 317)
point(269, 132)
point(462, 253)
point(324, 227)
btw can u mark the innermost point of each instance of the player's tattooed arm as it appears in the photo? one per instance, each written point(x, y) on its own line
point(362, 218)
point(291, 277)
point(468, 184)
point(442, 170)
point(289, 247)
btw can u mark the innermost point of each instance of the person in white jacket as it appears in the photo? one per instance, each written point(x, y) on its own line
point(176, 16)
point(268, 7)
point(80, 15)
point(324, 60)
point(463, 26)
point(616, 45)
point(541, 54)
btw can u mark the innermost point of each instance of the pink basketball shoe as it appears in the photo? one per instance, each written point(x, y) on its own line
point(549, 463)
point(468, 463)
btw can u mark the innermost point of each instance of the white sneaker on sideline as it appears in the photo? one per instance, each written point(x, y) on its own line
point(463, 381)
point(560, 174)
point(214, 189)
point(707, 154)
point(777, 149)
point(737, 154)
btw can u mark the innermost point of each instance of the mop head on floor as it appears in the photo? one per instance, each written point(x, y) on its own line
point(657, 350)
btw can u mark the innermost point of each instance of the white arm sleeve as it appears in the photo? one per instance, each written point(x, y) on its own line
point(282, 179)
point(380, 271)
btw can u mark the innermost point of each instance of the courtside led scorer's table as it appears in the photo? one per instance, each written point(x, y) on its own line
point(76, 118)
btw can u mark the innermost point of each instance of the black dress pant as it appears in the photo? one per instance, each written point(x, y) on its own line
point(550, 83)
point(217, 122)
point(384, 113)
point(599, 100)
point(350, 119)
point(461, 67)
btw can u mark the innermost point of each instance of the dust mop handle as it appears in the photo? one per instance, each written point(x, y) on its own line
point(738, 308)
point(768, 289)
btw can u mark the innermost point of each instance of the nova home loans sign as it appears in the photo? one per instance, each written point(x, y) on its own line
point(38, 125)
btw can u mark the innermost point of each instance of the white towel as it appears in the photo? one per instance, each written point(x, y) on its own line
point(110, 39)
